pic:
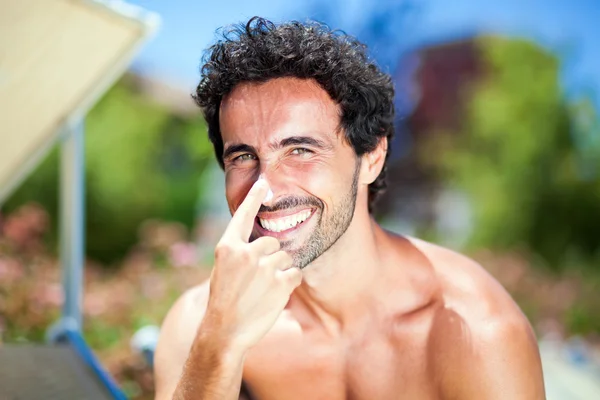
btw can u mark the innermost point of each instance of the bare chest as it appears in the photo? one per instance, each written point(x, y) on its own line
point(373, 367)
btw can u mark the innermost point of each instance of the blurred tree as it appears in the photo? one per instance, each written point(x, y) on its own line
point(142, 161)
point(517, 159)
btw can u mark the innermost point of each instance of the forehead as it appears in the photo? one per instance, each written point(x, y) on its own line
point(279, 107)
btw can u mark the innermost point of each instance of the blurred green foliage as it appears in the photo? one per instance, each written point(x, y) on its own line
point(142, 162)
point(531, 184)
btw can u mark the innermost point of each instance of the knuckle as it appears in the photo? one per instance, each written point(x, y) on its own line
point(228, 253)
point(273, 243)
point(294, 277)
point(298, 278)
point(242, 255)
point(223, 251)
point(266, 268)
point(266, 273)
point(286, 259)
point(268, 241)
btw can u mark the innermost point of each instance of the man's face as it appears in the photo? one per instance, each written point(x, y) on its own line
point(288, 130)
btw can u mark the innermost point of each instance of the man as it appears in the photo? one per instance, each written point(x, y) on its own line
point(309, 298)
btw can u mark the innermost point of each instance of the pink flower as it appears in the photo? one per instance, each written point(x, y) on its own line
point(48, 295)
point(183, 254)
point(94, 304)
point(10, 271)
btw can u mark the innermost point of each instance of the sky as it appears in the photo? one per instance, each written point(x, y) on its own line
point(569, 28)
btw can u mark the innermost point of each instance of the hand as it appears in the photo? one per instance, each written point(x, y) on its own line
point(251, 282)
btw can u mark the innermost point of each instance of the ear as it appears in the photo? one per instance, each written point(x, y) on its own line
point(372, 163)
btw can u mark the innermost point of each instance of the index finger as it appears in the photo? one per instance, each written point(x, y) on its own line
point(242, 222)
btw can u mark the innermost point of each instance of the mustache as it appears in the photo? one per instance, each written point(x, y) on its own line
point(292, 202)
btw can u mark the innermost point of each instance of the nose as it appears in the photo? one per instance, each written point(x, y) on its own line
point(277, 185)
point(269, 196)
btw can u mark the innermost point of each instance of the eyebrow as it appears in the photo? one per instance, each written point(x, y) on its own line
point(289, 141)
point(300, 140)
point(238, 148)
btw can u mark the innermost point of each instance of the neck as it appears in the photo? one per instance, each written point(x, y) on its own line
point(340, 286)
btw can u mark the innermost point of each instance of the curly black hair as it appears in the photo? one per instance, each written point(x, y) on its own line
point(261, 50)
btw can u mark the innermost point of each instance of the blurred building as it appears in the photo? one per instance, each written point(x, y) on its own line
point(433, 82)
point(443, 73)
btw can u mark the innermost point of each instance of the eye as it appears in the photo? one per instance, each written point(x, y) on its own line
point(300, 151)
point(245, 157)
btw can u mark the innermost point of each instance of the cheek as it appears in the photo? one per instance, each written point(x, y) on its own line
point(323, 180)
point(237, 186)
point(307, 173)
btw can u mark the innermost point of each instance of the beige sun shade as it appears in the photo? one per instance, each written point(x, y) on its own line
point(57, 57)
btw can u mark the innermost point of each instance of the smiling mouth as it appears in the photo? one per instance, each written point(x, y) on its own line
point(284, 223)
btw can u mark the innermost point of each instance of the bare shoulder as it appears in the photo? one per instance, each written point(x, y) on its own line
point(481, 344)
point(182, 320)
point(467, 288)
point(177, 333)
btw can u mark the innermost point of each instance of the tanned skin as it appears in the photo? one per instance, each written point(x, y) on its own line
point(376, 316)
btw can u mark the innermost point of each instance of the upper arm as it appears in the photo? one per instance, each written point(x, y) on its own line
point(177, 333)
point(502, 362)
point(512, 368)
point(481, 344)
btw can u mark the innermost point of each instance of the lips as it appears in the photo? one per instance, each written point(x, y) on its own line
point(284, 223)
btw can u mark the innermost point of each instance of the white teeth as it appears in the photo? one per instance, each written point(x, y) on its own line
point(282, 224)
point(279, 225)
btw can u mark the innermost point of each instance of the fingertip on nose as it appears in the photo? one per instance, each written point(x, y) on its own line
point(268, 196)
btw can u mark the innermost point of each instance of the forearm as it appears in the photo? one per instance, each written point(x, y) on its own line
point(213, 370)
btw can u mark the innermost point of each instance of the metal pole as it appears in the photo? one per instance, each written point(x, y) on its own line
point(72, 223)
